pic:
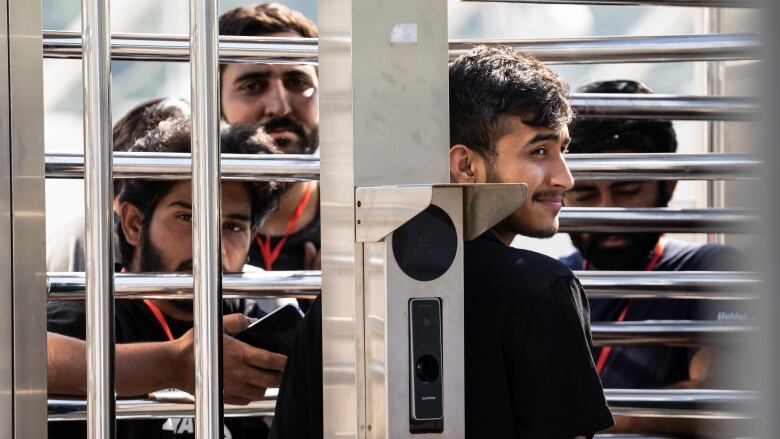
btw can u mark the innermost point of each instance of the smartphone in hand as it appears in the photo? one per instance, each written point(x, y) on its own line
point(274, 332)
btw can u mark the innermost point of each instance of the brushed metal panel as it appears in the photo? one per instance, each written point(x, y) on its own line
point(28, 217)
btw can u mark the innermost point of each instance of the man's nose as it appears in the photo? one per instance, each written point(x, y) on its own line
point(561, 176)
point(277, 100)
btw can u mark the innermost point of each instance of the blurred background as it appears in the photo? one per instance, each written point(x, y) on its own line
point(137, 81)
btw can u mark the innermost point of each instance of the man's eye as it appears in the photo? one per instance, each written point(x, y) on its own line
point(253, 87)
point(184, 217)
point(540, 152)
point(297, 84)
point(628, 191)
point(233, 227)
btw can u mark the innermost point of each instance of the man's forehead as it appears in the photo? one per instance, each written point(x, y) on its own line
point(239, 70)
point(514, 125)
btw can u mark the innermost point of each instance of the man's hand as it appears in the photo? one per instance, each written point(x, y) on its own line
point(247, 371)
point(311, 256)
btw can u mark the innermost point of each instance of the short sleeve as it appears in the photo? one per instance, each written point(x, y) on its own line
point(67, 318)
point(555, 384)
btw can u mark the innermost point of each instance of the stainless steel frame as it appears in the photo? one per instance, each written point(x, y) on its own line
point(207, 217)
point(22, 299)
point(671, 333)
point(99, 255)
point(274, 50)
point(666, 220)
point(696, 3)
point(659, 106)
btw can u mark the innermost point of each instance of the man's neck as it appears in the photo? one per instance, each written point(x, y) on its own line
point(276, 224)
point(171, 310)
point(506, 237)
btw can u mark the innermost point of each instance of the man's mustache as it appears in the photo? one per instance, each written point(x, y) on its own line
point(285, 123)
point(548, 195)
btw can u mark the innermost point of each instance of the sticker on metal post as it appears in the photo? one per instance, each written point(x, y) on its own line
point(404, 33)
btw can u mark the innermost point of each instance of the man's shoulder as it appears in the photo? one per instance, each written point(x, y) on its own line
point(687, 256)
point(513, 266)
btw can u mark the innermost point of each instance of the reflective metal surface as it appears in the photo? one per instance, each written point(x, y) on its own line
point(206, 218)
point(382, 209)
point(670, 333)
point(21, 151)
point(683, 403)
point(716, 139)
point(576, 219)
point(687, 48)
point(486, 204)
point(66, 409)
point(99, 256)
point(704, 285)
point(658, 106)
point(641, 167)
point(387, 294)
point(698, 3)
point(175, 166)
point(299, 284)
point(679, 403)
point(144, 47)
point(6, 242)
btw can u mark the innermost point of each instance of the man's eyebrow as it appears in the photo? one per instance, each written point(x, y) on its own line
point(180, 203)
point(239, 217)
point(542, 137)
point(254, 75)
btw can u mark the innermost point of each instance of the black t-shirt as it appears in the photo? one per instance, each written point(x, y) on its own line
point(136, 323)
point(529, 371)
point(659, 366)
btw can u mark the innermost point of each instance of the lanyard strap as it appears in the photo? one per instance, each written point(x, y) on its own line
point(606, 350)
point(160, 318)
point(270, 255)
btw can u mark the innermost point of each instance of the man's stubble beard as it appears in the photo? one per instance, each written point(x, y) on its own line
point(308, 140)
point(151, 261)
point(510, 224)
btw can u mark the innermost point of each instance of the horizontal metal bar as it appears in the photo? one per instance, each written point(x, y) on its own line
point(683, 403)
point(177, 166)
point(620, 49)
point(669, 333)
point(639, 167)
point(701, 285)
point(299, 284)
point(689, 403)
point(695, 3)
point(147, 47)
point(598, 284)
point(665, 220)
point(672, 48)
point(290, 167)
point(168, 405)
point(659, 106)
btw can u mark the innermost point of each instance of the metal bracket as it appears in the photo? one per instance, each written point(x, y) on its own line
point(380, 210)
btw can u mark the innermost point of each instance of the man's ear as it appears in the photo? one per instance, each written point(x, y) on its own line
point(466, 166)
point(131, 220)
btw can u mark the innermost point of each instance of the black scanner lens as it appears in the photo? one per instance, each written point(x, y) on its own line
point(427, 369)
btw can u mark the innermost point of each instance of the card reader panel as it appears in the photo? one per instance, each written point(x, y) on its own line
point(425, 354)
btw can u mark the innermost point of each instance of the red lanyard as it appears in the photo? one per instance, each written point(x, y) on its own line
point(160, 318)
point(606, 350)
point(270, 255)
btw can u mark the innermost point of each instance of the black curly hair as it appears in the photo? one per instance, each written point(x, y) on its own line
point(173, 135)
point(488, 82)
point(612, 135)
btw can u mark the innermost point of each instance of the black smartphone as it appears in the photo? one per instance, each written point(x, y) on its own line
point(275, 332)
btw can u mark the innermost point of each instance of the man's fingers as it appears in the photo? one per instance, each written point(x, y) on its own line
point(235, 323)
point(263, 359)
point(235, 400)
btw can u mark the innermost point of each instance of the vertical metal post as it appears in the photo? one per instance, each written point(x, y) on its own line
point(207, 267)
point(716, 86)
point(383, 65)
point(96, 43)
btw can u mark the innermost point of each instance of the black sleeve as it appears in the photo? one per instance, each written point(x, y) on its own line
point(299, 404)
point(67, 318)
point(557, 391)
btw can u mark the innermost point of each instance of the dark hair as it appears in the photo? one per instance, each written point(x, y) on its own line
point(173, 135)
point(143, 118)
point(489, 82)
point(610, 135)
point(263, 19)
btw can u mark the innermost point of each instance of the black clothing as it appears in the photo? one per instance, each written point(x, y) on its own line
point(659, 366)
point(529, 371)
point(292, 254)
point(136, 323)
